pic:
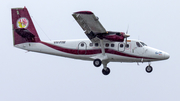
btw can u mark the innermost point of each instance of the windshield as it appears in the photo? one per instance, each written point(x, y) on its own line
point(138, 44)
point(143, 44)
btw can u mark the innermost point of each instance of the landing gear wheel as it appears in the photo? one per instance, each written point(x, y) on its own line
point(97, 62)
point(106, 71)
point(149, 69)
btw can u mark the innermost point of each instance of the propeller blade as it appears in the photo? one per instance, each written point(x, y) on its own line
point(127, 29)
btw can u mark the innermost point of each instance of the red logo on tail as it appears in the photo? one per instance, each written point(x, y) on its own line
point(22, 22)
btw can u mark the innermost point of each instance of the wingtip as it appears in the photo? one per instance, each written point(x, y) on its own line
point(83, 12)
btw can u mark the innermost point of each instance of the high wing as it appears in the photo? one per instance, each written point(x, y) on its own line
point(90, 24)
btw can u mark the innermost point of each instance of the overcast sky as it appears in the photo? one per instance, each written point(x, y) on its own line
point(40, 77)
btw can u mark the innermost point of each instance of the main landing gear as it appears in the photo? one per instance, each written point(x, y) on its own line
point(106, 71)
point(98, 62)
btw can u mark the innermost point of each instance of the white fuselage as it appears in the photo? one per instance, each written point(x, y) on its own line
point(86, 50)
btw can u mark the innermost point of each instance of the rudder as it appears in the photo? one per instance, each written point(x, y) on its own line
point(23, 27)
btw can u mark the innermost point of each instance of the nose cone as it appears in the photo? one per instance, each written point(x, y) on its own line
point(166, 55)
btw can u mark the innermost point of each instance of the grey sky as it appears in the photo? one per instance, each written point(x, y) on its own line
point(39, 77)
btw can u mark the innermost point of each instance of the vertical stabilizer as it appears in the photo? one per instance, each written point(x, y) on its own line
point(23, 27)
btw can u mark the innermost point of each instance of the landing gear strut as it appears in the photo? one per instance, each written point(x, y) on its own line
point(149, 69)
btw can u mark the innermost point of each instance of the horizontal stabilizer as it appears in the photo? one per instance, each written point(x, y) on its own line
point(25, 33)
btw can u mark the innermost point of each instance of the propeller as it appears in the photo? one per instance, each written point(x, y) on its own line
point(126, 35)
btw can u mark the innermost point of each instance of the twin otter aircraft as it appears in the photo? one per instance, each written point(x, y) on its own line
point(102, 46)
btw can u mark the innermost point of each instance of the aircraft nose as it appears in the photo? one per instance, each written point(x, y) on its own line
point(166, 55)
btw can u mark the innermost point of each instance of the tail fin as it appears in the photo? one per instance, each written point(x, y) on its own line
point(23, 27)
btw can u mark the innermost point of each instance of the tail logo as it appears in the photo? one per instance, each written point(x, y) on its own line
point(22, 22)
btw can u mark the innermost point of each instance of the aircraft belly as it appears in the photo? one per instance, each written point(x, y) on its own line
point(68, 54)
point(41, 48)
point(118, 58)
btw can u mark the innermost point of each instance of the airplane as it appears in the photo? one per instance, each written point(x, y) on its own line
point(101, 47)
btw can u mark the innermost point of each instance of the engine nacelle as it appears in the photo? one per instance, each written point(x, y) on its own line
point(111, 36)
point(114, 36)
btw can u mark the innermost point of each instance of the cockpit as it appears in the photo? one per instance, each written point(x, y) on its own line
point(140, 44)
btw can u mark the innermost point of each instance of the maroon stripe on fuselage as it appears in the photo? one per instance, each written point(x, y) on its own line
point(90, 52)
point(73, 51)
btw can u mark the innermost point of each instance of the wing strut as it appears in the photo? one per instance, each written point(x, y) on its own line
point(102, 47)
point(103, 57)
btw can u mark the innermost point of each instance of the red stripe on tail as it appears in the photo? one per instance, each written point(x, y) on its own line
point(23, 27)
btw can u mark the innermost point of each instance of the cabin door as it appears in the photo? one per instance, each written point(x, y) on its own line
point(121, 46)
point(82, 48)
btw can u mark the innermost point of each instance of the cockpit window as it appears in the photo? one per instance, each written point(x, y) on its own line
point(138, 44)
point(143, 44)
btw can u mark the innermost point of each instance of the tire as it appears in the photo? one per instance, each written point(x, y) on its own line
point(97, 62)
point(149, 69)
point(106, 71)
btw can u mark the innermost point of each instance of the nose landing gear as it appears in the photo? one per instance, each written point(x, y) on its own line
point(149, 69)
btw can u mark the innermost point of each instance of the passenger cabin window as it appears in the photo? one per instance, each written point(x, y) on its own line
point(138, 44)
point(121, 45)
point(82, 45)
point(107, 44)
point(96, 44)
point(112, 45)
point(127, 45)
